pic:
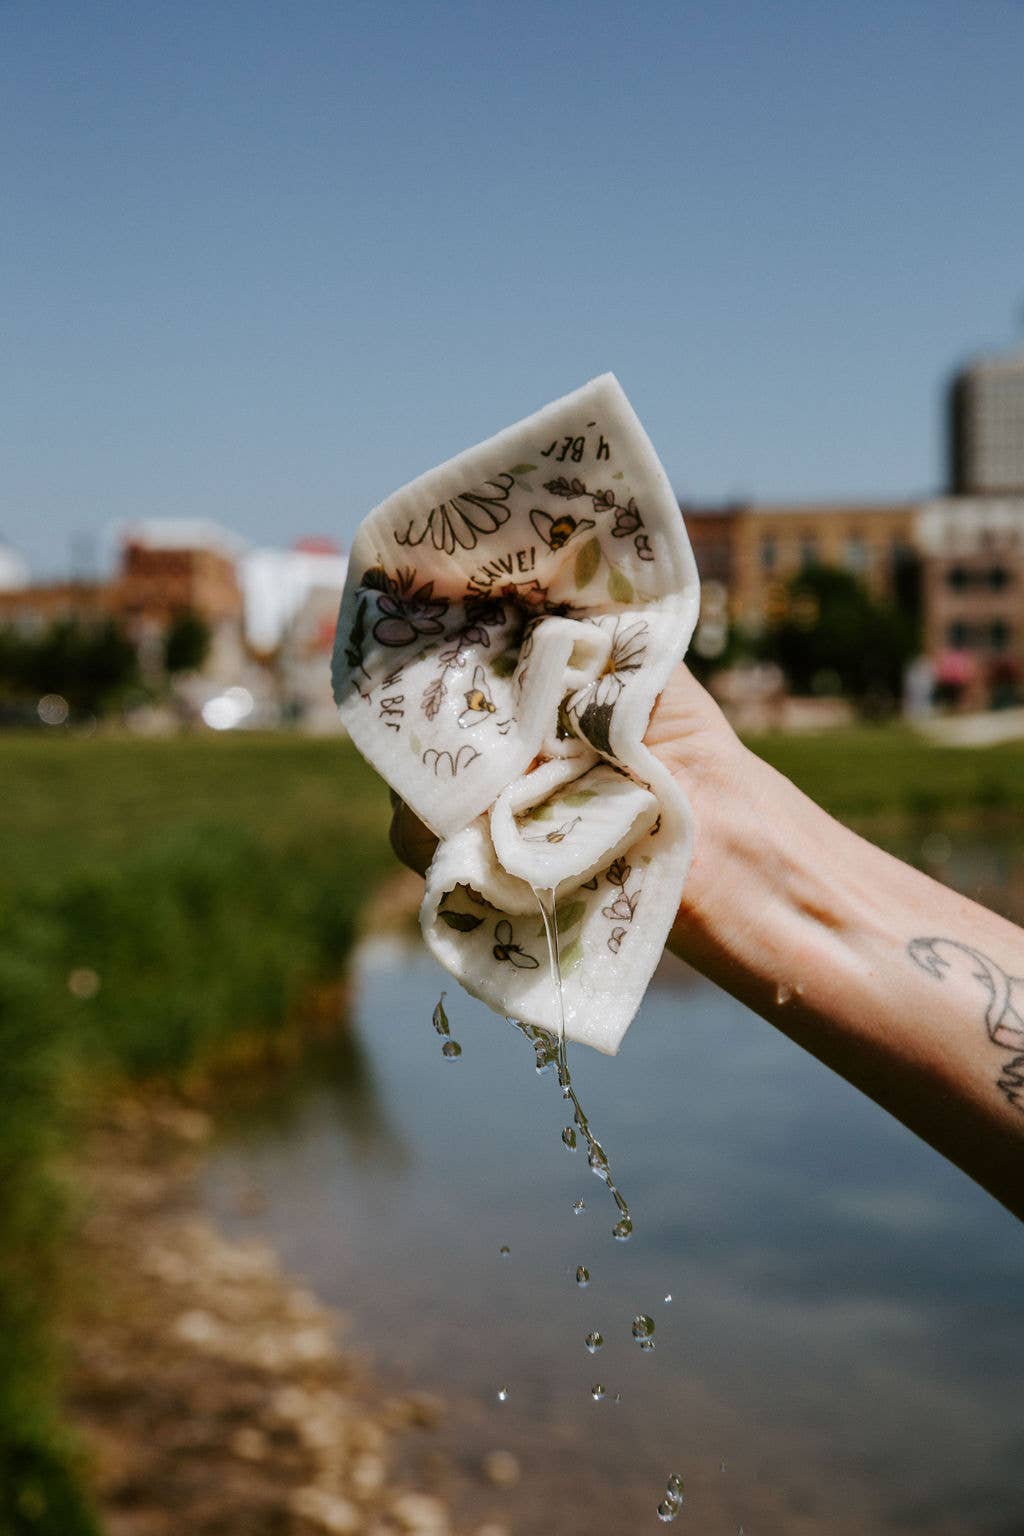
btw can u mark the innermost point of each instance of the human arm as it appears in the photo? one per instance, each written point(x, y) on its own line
point(908, 990)
point(911, 992)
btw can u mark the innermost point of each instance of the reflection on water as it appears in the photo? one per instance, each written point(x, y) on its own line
point(843, 1350)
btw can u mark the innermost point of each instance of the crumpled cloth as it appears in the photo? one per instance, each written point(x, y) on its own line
point(508, 622)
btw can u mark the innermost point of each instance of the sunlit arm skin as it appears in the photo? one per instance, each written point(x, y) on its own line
point(912, 993)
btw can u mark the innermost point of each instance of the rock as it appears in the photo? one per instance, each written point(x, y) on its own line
point(417, 1410)
point(501, 1468)
point(367, 1474)
point(249, 1443)
point(198, 1329)
point(327, 1510)
point(421, 1515)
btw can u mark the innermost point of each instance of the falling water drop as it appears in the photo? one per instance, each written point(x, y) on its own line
point(440, 1017)
point(503, 1394)
point(667, 1510)
point(504, 1250)
point(569, 1137)
point(674, 1488)
point(579, 1206)
point(668, 1296)
point(643, 1330)
point(622, 1229)
point(597, 1392)
point(593, 1341)
point(582, 1275)
point(451, 1050)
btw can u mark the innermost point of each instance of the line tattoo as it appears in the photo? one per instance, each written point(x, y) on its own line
point(1004, 1013)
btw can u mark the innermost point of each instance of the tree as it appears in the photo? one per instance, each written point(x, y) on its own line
point(187, 642)
point(833, 629)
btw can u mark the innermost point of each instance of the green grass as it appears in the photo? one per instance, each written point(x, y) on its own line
point(888, 772)
point(203, 885)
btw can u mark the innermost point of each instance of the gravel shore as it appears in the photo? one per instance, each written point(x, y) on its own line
point(212, 1392)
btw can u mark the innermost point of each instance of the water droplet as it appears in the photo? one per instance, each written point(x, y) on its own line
point(786, 991)
point(579, 1206)
point(722, 1467)
point(451, 1050)
point(504, 1250)
point(593, 1341)
point(503, 1394)
point(440, 1017)
point(674, 1487)
point(569, 1137)
point(622, 1229)
point(647, 1344)
point(643, 1328)
point(599, 1163)
point(667, 1510)
point(668, 1296)
point(618, 1397)
point(597, 1392)
point(582, 1275)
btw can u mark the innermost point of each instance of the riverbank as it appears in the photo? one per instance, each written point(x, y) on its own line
point(211, 1391)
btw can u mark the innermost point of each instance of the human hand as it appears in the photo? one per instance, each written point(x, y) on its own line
point(687, 732)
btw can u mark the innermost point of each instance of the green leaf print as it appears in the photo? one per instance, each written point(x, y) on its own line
point(620, 588)
point(570, 957)
point(569, 914)
point(587, 561)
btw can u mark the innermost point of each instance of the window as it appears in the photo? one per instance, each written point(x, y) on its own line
point(856, 554)
point(958, 578)
point(808, 551)
point(959, 635)
point(998, 578)
point(999, 634)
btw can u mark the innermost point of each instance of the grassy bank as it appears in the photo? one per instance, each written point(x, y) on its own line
point(886, 773)
point(161, 902)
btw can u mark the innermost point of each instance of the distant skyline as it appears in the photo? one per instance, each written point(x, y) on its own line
point(264, 263)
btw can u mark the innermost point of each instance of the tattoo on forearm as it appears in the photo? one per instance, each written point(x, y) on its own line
point(1004, 1013)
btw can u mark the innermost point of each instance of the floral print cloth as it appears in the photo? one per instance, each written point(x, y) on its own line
point(508, 622)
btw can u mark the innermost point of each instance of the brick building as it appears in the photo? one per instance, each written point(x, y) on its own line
point(754, 550)
point(973, 561)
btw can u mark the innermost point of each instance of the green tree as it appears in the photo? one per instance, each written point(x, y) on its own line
point(833, 629)
point(187, 643)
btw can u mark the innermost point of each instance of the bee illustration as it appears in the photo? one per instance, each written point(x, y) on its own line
point(506, 950)
point(556, 531)
point(558, 835)
point(479, 703)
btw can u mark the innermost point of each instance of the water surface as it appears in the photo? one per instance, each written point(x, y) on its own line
point(845, 1332)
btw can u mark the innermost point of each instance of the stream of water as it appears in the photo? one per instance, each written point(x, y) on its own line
point(838, 1318)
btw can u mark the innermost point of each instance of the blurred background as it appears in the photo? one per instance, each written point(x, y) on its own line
point(261, 265)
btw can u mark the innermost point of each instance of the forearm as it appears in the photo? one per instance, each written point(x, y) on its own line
point(902, 986)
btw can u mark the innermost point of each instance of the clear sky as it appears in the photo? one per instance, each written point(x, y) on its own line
point(264, 262)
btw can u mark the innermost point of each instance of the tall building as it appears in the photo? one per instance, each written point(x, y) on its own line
point(986, 427)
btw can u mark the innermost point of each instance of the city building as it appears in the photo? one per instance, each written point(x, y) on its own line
point(972, 553)
point(754, 550)
point(986, 428)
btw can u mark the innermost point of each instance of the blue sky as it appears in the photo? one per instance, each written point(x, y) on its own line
point(264, 262)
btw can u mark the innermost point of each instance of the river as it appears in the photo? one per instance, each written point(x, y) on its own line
point(843, 1347)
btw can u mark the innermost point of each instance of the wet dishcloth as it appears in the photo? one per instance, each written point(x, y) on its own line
point(508, 622)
